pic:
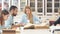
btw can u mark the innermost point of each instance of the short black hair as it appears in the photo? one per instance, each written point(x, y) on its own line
point(12, 7)
point(5, 12)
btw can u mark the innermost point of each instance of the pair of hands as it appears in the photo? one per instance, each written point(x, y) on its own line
point(17, 25)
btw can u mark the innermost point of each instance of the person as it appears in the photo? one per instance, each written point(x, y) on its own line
point(4, 16)
point(28, 17)
point(57, 22)
point(56, 25)
point(12, 12)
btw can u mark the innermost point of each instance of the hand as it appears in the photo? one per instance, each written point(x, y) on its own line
point(22, 24)
point(58, 25)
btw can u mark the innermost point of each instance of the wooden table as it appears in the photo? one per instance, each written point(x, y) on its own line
point(10, 31)
point(15, 31)
point(37, 27)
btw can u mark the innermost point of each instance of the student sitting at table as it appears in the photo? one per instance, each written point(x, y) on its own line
point(57, 22)
point(12, 12)
point(28, 17)
point(4, 16)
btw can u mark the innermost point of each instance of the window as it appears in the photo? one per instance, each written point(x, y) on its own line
point(56, 0)
point(39, 9)
point(15, 2)
point(22, 4)
point(56, 5)
point(39, 4)
point(6, 4)
point(39, 0)
point(55, 10)
point(49, 0)
point(22, 0)
point(49, 10)
point(32, 0)
point(32, 4)
point(49, 4)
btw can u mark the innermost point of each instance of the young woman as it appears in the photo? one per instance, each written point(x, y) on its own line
point(28, 17)
point(3, 17)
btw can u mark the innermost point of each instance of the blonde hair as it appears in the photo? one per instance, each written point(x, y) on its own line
point(30, 17)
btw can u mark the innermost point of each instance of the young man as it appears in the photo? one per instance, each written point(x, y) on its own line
point(12, 12)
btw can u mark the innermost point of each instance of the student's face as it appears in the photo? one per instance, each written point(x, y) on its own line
point(5, 17)
point(15, 12)
point(27, 11)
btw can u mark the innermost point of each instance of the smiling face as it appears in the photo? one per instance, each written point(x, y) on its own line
point(15, 12)
point(27, 11)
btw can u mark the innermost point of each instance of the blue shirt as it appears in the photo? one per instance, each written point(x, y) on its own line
point(9, 21)
point(25, 19)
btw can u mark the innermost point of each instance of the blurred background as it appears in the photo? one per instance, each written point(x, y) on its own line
point(46, 10)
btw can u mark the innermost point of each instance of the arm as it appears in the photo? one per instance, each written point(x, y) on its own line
point(8, 22)
point(24, 19)
point(57, 21)
point(36, 19)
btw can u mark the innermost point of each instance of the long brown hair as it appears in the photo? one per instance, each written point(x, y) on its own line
point(4, 12)
point(30, 17)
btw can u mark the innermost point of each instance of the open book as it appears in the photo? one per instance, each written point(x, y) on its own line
point(29, 26)
point(34, 26)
